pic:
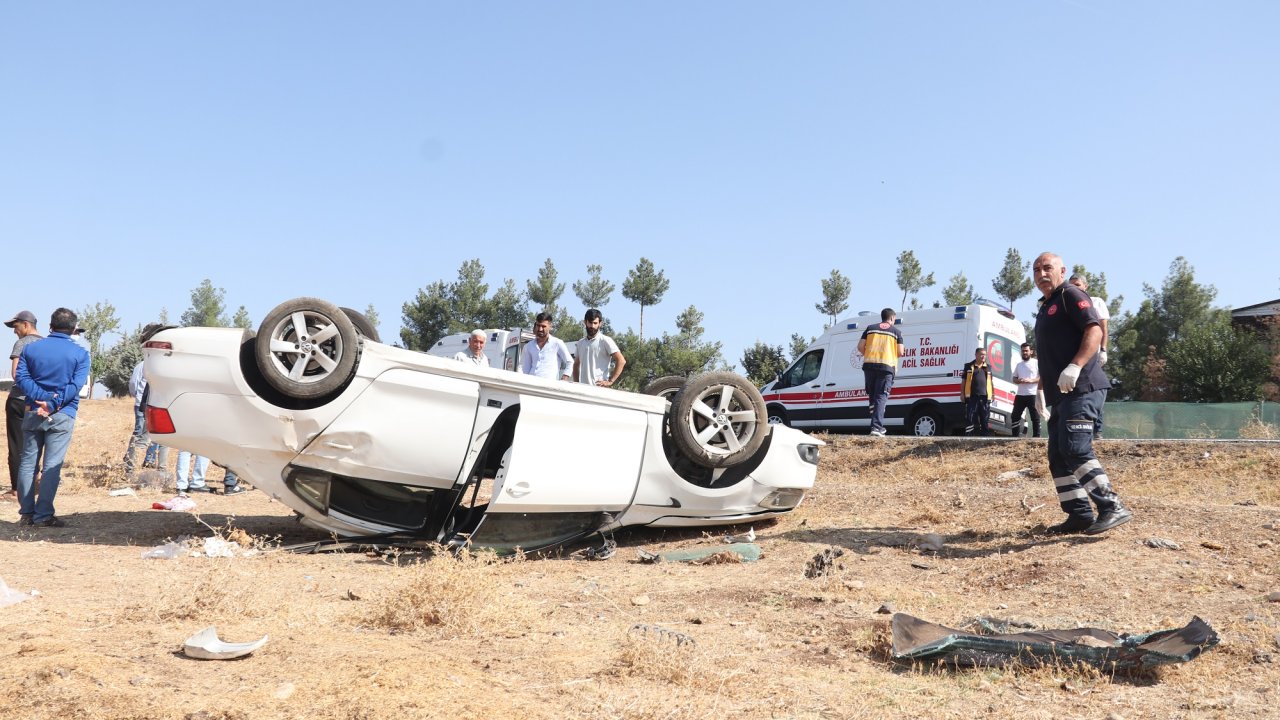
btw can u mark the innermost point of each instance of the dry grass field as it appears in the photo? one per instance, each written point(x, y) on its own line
point(358, 636)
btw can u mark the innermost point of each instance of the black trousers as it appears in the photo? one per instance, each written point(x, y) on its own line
point(1027, 402)
point(14, 409)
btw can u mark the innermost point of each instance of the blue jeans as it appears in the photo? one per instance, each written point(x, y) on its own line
point(878, 384)
point(137, 440)
point(231, 480)
point(53, 436)
point(197, 475)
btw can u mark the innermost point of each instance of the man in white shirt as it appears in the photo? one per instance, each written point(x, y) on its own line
point(474, 354)
point(1104, 322)
point(595, 352)
point(1026, 375)
point(547, 356)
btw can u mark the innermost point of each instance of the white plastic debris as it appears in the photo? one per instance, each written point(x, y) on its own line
point(167, 551)
point(746, 537)
point(9, 596)
point(205, 645)
point(181, 503)
point(122, 492)
point(217, 547)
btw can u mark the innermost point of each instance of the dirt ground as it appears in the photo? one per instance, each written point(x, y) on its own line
point(366, 636)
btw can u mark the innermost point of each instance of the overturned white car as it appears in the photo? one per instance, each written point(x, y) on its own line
point(361, 438)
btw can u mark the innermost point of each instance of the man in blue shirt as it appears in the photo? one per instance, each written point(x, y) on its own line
point(50, 373)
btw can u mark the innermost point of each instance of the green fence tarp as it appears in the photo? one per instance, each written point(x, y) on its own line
point(1173, 420)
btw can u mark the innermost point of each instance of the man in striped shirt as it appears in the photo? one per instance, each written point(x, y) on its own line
point(880, 346)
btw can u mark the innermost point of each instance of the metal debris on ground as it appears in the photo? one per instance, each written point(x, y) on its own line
point(746, 537)
point(1162, 544)
point(916, 639)
point(662, 633)
point(648, 558)
point(606, 550)
point(823, 563)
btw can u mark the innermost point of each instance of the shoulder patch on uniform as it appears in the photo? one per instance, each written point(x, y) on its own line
point(1083, 304)
point(1053, 310)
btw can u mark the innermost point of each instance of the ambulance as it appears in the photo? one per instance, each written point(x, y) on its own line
point(502, 347)
point(824, 389)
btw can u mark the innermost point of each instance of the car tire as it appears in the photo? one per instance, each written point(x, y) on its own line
point(665, 387)
point(926, 422)
point(363, 326)
point(718, 419)
point(307, 348)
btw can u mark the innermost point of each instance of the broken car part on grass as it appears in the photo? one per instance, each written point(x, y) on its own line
point(916, 639)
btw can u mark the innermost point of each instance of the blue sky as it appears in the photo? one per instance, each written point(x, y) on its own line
point(359, 152)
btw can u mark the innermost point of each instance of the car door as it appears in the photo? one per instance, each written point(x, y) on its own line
point(571, 466)
point(799, 389)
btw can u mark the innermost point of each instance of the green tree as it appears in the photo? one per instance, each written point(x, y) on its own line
point(642, 360)
point(798, 344)
point(208, 307)
point(568, 328)
point(911, 278)
point(762, 362)
point(545, 292)
point(1142, 339)
point(959, 291)
point(114, 366)
point(686, 353)
point(371, 315)
point(97, 320)
point(241, 319)
point(835, 296)
point(1014, 280)
point(1211, 361)
point(1098, 287)
point(645, 286)
point(441, 309)
point(507, 308)
point(426, 318)
point(594, 292)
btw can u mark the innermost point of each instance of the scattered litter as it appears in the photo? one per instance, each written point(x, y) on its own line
point(662, 634)
point(1014, 474)
point(823, 563)
point(715, 554)
point(1162, 544)
point(122, 492)
point(999, 626)
point(1211, 545)
point(180, 503)
point(217, 547)
point(648, 558)
point(9, 596)
point(205, 645)
point(746, 537)
point(917, 639)
point(167, 551)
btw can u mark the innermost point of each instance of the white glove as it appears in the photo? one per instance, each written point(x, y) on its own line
point(1067, 380)
point(1102, 357)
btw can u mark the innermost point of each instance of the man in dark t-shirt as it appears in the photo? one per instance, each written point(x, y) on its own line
point(1067, 338)
point(976, 390)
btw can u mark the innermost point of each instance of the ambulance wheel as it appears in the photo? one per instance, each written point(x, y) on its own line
point(718, 419)
point(926, 422)
point(777, 415)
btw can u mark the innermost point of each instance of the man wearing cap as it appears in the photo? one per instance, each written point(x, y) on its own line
point(50, 373)
point(24, 326)
point(474, 354)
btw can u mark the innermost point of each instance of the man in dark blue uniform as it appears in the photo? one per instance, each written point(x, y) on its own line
point(1067, 337)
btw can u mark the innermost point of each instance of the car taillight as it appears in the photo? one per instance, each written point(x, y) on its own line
point(159, 422)
point(157, 345)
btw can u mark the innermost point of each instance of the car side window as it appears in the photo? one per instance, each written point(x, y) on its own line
point(803, 370)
